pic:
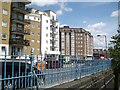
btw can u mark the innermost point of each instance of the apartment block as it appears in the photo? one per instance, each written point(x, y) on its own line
point(5, 12)
point(12, 30)
point(76, 42)
point(46, 32)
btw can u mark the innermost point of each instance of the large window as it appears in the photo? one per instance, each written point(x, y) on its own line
point(14, 26)
point(20, 17)
point(5, 11)
point(14, 15)
point(20, 27)
point(4, 36)
point(4, 23)
point(3, 50)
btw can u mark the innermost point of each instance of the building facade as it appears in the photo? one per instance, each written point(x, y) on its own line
point(46, 32)
point(12, 30)
point(76, 42)
point(4, 27)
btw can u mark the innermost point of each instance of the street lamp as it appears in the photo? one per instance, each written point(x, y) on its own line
point(105, 42)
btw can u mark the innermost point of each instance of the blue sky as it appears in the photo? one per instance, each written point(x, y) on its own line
point(96, 17)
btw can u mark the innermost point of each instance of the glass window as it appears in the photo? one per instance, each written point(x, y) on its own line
point(3, 50)
point(20, 17)
point(34, 18)
point(4, 23)
point(46, 21)
point(5, 11)
point(33, 26)
point(46, 41)
point(46, 35)
point(13, 36)
point(38, 33)
point(21, 5)
point(14, 15)
point(33, 41)
point(46, 28)
point(4, 36)
point(14, 26)
point(20, 27)
point(33, 33)
point(38, 41)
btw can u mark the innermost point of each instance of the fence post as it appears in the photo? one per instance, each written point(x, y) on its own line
point(13, 69)
point(76, 67)
point(31, 67)
point(19, 69)
point(25, 68)
point(5, 70)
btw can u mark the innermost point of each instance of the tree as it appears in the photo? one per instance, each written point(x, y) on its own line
point(115, 54)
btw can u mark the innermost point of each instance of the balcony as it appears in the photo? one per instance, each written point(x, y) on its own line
point(53, 21)
point(20, 9)
point(21, 32)
point(18, 42)
point(17, 20)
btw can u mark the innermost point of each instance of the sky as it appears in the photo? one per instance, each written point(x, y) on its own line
point(99, 18)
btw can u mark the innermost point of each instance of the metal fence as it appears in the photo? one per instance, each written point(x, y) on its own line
point(18, 72)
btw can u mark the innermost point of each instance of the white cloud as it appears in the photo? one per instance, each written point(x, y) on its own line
point(114, 13)
point(95, 29)
point(63, 7)
point(44, 2)
point(96, 26)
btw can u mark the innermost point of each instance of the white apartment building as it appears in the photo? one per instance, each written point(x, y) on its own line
point(49, 30)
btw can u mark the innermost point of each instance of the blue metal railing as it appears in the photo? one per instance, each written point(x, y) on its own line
point(19, 74)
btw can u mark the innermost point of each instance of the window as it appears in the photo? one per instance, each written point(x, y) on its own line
point(38, 26)
point(46, 41)
point(14, 15)
point(4, 23)
point(46, 28)
point(4, 36)
point(38, 41)
point(33, 41)
point(46, 21)
point(46, 48)
point(3, 50)
point(14, 26)
point(20, 27)
point(33, 26)
point(33, 33)
point(34, 18)
point(46, 35)
point(5, 11)
point(20, 17)
point(27, 17)
point(38, 34)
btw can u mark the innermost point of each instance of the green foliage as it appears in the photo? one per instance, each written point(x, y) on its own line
point(115, 51)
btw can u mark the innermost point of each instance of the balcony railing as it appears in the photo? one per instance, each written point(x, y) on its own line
point(17, 20)
point(23, 32)
point(19, 42)
point(20, 9)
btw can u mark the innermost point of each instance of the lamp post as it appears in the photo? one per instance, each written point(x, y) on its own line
point(105, 42)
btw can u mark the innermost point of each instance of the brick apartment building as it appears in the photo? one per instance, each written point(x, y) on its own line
point(12, 30)
point(76, 42)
